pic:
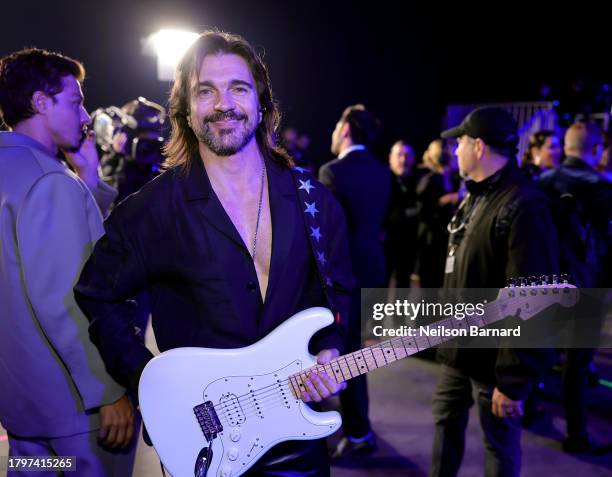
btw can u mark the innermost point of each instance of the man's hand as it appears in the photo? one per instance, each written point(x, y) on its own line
point(503, 406)
point(85, 161)
point(117, 423)
point(319, 385)
point(119, 141)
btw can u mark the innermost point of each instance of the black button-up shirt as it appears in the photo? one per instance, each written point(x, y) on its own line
point(175, 240)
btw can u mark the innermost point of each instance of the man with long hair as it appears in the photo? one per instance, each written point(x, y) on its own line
point(219, 238)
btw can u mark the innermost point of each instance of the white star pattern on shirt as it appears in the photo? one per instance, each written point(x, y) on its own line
point(311, 208)
point(306, 185)
point(328, 282)
point(316, 233)
point(301, 170)
point(321, 258)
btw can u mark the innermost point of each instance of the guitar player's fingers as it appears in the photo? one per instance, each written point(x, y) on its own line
point(331, 384)
point(326, 355)
point(320, 385)
point(312, 391)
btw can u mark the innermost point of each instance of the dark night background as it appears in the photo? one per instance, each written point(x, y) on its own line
point(405, 64)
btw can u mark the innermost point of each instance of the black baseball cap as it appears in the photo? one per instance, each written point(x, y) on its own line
point(495, 126)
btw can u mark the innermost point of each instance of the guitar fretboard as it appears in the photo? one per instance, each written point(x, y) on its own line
point(359, 362)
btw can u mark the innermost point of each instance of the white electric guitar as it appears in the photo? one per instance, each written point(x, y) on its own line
point(217, 411)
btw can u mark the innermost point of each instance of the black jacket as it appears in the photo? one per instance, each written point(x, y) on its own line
point(362, 185)
point(511, 234)
point(175, 240)
point(432, 235)
point(585, 223)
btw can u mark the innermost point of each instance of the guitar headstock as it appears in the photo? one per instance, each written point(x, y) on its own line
point(526, 297)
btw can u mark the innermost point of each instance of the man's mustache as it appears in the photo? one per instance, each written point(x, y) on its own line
point(227, 116)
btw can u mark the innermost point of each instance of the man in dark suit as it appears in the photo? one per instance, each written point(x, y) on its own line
point(199, 237)
point(57, 398)
point(362, 185)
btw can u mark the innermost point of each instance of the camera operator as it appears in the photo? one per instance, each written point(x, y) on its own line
point(133, 153)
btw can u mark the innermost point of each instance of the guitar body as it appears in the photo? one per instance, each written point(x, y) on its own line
point(249, 390)
point(214, 412)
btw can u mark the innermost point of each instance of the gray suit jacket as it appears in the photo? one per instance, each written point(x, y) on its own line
point(52, 377)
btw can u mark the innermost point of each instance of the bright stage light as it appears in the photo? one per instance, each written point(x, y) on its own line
point(169, 47)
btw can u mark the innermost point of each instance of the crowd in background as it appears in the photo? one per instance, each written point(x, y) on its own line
point(467, 213)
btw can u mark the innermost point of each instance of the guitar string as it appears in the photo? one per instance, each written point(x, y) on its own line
point(260, 403)
point(356, 363)
point(271, 399)
point(265, 405)
point(265, 398)
point(346, 356)
point(319, 367)
point(260, 393)
point(268, 403)
point(275, 401)
point(369, 363)
point(251, 406)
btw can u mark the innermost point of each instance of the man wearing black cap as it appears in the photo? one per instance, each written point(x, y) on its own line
point(491, 240)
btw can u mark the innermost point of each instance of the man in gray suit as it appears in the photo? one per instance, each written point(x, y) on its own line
point(57, 399)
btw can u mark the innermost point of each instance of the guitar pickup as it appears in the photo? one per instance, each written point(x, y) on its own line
point(208, 420)
point(231, 409)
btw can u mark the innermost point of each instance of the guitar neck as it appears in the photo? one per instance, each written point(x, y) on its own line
point(360, 362)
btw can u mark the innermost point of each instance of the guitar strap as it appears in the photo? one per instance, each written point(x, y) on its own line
point(310, 198)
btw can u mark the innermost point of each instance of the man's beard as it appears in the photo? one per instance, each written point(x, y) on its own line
point(226, 142)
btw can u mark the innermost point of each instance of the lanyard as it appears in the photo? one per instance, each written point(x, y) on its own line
point(462, 218)
point(459, 223)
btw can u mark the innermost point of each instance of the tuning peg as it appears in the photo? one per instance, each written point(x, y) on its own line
point(565, 278)
point(522, 282)
point(511, 283)
point(555, 279)
point(544, 280)
point(533, 281)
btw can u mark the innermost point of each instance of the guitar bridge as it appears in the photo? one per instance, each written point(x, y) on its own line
point(208, 420)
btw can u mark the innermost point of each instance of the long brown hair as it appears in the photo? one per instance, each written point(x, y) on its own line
point(182, 147)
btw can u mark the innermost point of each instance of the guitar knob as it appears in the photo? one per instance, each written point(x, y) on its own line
point(232, 453)
point(226, 471)
point(235, 434)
